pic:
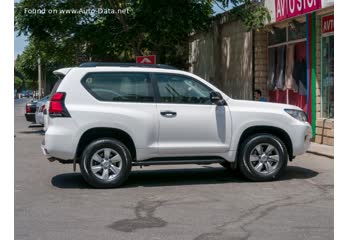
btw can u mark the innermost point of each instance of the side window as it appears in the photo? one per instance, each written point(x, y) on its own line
point(182, 89)
point(55, 87)
point(119, 86)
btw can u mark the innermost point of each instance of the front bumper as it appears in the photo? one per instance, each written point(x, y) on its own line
point(301, 139)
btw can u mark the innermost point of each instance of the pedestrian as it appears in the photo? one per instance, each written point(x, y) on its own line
point(258, 96)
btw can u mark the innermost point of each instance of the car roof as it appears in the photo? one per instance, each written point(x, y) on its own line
point(118, 64)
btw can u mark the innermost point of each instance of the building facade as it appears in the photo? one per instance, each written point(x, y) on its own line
point(291, 60)
point(294, 60)
point(223, 56)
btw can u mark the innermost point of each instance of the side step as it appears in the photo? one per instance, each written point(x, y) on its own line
point(174, 162)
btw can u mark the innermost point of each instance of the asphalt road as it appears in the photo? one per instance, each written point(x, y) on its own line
point(167, 202)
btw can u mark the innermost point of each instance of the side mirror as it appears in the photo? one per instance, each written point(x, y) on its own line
point(216, 98)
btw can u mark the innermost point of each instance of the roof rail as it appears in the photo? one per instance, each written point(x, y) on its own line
point(116, 64)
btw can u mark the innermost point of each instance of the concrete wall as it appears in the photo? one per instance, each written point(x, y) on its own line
point(223, 56)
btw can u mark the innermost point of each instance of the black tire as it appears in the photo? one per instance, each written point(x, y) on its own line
point(226, 165)
point(99, 145)
point(232, 168)
point(246, 167)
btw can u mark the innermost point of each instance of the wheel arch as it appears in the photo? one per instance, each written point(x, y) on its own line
point(100, 132)
point(278, 132)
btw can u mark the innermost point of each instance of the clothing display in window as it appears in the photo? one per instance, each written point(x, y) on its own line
point(299, 72)
point(290, 80)
point(280, 67)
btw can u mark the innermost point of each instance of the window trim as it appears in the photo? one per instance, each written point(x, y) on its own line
point(155, 81)
point(287, 41)
point(94, 95)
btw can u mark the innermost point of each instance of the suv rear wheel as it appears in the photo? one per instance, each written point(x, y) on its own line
point(263, 158)
point(105, 163)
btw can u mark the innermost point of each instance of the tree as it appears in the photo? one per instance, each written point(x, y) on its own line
point(148, 27)
point(151, 26)
point(18, 83)
point(26, 65)
point(252, 13)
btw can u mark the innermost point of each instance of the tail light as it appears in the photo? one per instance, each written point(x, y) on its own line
point(42, 108)
point(27, 109)
point(57, 107)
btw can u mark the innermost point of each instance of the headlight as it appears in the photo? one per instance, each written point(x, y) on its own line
point(297, 114)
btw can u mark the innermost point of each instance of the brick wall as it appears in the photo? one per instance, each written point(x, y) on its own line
point(261, 58)
point(325, 131)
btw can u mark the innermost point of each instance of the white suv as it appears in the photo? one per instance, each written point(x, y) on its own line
point(110, 117)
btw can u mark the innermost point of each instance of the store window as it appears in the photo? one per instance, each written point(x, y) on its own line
point(327, 67)
point(278, 35)
point(287, 65)
point(327, 83)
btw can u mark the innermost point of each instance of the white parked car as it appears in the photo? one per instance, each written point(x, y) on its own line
point(110, 117)
point(40, 109)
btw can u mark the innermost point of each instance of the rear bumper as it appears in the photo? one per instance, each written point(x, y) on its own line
point(59, 140)
point(39, 118)
point(30, 117)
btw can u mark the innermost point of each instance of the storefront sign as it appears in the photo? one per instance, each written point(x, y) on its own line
point(328, 24)
point(290, 8)
point(151, 59)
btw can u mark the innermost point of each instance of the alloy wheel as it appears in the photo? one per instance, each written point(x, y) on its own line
point(264, 158)
point(106, 164)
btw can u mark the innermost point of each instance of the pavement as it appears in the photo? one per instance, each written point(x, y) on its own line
point(321, 150)
point(168, 202)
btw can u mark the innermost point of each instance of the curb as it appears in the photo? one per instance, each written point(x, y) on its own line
point(321, 154)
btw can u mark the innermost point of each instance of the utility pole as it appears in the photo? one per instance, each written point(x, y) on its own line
point(39, 77)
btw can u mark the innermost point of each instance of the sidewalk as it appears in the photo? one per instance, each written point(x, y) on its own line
point(322, 150)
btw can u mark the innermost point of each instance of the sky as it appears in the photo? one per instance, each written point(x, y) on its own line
point(21, 41)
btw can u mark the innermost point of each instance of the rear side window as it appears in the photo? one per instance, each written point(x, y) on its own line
point(119, 86)
point(55, 87)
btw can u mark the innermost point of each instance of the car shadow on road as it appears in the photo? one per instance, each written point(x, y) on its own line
point(177, 177)
point(295, 172)
point(33, 125)
point(40, 132)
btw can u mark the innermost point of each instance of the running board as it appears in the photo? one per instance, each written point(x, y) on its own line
point(174, 162)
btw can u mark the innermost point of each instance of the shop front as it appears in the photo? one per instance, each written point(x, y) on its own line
point(294, 60)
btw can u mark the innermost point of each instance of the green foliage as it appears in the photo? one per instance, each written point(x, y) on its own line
point(151, 27)
point(31, 84)
point(158, 27)
point(18, 83)
point(253, 15)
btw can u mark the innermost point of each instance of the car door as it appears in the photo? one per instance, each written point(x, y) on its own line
point(189, 124)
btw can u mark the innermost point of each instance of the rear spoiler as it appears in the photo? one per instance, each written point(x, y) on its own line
point(61, 72)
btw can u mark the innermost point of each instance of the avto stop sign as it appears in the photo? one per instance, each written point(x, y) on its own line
point(151, 59)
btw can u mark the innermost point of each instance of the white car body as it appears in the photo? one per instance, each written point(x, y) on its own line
point(197, 130)
point(39, 113)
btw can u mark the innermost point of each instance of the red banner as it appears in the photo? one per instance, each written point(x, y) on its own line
point(328, 24)
point(290, 8)
point(151, 59)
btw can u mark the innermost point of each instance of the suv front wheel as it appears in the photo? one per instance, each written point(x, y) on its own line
point(264, 157)
point(105, 163)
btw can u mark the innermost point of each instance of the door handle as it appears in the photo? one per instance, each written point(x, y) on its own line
point(168, 113)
